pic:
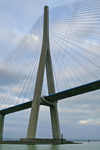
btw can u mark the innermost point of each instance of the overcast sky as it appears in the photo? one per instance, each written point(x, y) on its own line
point(79, 116)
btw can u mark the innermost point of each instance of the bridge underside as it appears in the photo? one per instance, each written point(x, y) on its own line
point(48, 100)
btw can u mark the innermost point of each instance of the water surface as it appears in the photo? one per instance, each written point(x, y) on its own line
point(84, 146)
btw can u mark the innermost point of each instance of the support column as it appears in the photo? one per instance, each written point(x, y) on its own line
point(51, 89)
point(39, 81)
point(1, 126)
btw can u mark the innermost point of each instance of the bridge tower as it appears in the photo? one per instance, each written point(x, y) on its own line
point(45, 60)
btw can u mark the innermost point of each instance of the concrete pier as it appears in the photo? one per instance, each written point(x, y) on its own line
point(1, 126)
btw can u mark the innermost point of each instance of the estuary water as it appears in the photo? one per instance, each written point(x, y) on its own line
point(84, 146)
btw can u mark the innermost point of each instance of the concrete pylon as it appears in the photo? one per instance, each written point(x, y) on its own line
point(1, 126)
point(45, 59)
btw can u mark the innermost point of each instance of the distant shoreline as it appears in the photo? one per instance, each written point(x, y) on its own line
point(86, 141)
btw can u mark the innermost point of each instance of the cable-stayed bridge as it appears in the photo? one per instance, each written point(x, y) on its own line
point(69, 58)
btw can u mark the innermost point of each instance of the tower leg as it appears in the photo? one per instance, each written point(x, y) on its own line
point(33, 119)
point(1, 126)
point(55, 122)
point(51, 89)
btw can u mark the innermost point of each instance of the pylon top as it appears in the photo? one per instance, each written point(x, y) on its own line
point(46, 6)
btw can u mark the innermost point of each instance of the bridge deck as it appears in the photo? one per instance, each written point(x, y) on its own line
point(16, 108)
point(57, 96)
point(74, 91)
